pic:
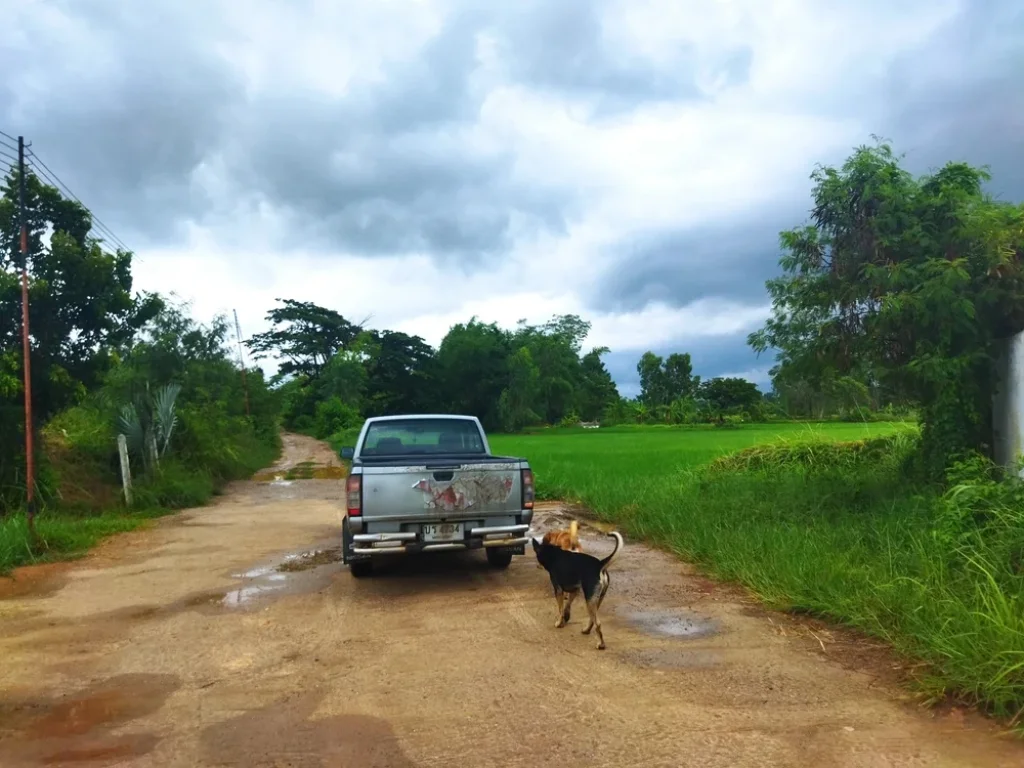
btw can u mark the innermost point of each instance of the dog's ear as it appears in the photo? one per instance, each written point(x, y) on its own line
point(536, 546)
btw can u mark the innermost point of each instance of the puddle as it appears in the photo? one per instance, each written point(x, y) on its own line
point(302, 471)
point(79, 727)
point(671, 624)
point(292, 574)
point(288, 732)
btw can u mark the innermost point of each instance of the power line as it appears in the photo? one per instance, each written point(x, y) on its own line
point(43, 169)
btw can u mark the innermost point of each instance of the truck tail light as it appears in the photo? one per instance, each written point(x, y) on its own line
point(528, 492)
point(354, 492)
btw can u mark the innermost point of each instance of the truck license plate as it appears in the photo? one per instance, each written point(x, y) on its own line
point(442, 532)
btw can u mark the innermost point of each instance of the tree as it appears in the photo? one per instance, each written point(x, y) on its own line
point(517, 399)
point(472, 370)
point(730, 394)
point(401, 374)
point(653, 388)
point(678, 377)
point(307, 336)
point(82, 309)
point(554, 347)
point(597, 391)
point(913, 280)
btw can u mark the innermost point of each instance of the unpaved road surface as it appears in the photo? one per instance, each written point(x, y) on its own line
point(230, 635)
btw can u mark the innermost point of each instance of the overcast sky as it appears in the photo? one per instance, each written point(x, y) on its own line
point(423, 161)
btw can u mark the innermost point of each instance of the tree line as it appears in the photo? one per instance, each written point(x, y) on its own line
point(333, 373)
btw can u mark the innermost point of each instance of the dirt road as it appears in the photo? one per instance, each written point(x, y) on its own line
point(230, 635)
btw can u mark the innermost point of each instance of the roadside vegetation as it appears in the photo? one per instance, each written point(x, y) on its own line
point(106, 361)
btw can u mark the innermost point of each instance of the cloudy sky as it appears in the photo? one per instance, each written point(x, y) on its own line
point(423, 161)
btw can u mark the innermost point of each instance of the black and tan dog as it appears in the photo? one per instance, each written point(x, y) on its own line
point(571, 572)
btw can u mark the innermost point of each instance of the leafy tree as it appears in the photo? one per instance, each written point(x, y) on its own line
point(663, 381)
point(305, 335)
point(472, 370)
point(401, 375)
point(653, 387)
point(82, 308)
point(678, 377)
point(555, 349)
point(517, 399)
point(730, 394)
point(597, 390)
point(915, 280)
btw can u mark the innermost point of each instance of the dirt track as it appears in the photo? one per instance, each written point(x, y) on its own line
point(230, 635)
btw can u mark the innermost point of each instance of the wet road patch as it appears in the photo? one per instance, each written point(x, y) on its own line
point(679, 624)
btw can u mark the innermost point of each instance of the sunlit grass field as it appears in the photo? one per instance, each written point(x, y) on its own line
point(614, 465)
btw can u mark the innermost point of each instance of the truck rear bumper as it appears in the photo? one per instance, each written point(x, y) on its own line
point(406, 542)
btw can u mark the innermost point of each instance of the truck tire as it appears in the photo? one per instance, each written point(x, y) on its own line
point(499, 558)
point(361, 568)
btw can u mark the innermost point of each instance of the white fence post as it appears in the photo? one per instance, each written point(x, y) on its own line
point(126, 470)
point(1008, 402)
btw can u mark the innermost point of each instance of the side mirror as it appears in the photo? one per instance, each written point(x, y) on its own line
point(347, 452)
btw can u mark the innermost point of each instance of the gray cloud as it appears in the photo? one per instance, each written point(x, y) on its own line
point(957, 97)
point(564, 47)
point(121, 106)
point(960, 96)
point(725, 260)
point(127, 105)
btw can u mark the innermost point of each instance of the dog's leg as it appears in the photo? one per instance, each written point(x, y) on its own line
point(568, 605)
point(595, 623)
point(606, 581)
point(560, 597)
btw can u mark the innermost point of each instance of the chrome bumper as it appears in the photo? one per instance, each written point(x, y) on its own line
point(406, 541)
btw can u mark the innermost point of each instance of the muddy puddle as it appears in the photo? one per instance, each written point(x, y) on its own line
point(305, 470)
point(679, 624)
point(78, 727)
point(294, 573)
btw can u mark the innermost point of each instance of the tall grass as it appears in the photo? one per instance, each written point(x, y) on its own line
point(832, 530)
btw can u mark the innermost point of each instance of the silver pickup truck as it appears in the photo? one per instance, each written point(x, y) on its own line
point(428, 483)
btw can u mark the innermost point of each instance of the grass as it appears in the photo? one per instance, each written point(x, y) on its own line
point(62, 536)
point(833, 530)
point(611, 468)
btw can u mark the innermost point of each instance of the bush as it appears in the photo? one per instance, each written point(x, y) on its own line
point(334, 415)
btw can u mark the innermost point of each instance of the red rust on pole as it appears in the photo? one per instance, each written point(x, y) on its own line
point(26, 347)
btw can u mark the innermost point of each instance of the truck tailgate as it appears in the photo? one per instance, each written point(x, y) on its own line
point(445, 491)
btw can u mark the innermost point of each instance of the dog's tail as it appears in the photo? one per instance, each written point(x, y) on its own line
point(574, 534)
point(618, 543)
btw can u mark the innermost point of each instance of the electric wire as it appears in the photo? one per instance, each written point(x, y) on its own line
point(42, 169)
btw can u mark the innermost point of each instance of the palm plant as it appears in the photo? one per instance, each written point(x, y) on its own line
point(148, 423)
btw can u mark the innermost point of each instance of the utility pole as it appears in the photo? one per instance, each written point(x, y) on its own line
point(30, 463)
point(241, 363)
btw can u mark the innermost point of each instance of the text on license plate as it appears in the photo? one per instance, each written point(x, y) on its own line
point(442, 531)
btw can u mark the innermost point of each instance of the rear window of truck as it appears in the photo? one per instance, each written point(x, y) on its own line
point(417, 437)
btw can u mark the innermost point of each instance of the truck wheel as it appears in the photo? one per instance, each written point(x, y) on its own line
point(499, 558)
point(361, 568)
